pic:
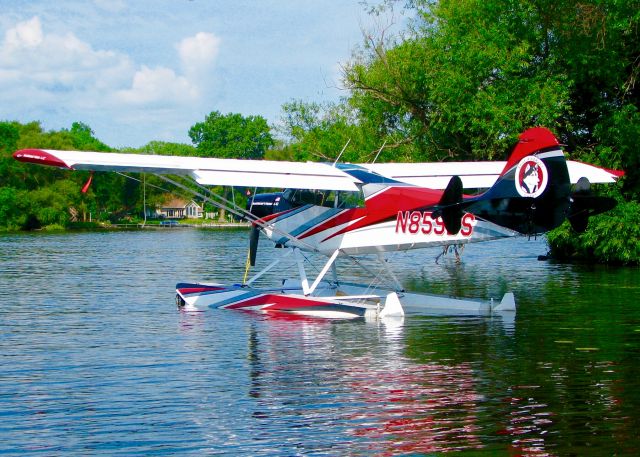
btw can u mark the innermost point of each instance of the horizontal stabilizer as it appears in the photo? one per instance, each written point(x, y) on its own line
point(584, 205)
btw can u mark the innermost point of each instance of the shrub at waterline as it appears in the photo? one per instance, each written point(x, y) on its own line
point(612, 238)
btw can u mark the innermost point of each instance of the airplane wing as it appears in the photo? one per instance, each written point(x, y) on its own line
point(436, 175)
point(477, 175)
point(295, 175)
point(206, 171)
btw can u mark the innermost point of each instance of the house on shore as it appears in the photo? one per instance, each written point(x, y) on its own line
point(177, 208)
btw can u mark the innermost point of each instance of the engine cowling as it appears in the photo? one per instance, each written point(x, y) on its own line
point(261, 205)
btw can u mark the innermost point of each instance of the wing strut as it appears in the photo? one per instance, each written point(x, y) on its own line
point(324, 270)
point(269, 267)
point(229, 206)
point(385, 265)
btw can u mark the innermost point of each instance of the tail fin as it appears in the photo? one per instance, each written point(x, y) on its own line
point(532, 194)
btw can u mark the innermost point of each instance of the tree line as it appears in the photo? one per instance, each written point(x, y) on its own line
point(456, 80)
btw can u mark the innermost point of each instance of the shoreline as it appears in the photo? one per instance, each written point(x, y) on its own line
point(181, 225)
point(92, 226)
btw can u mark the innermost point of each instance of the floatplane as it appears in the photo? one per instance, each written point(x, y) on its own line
point(343, 210)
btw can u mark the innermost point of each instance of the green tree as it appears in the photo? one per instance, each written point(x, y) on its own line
point(468, 76)
point(321, 132)
point(9, 135)
point(231, 136)
point(83, 138)
point(33, 197)
point(613, 237)
point(165, 148)
point(8, 205)
point(462, 83)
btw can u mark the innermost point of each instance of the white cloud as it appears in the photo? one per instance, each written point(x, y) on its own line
point(43, 73)
point(162, 86)
point(26, 34)
point(158, 85)
point(33, 60)
point(199, 50)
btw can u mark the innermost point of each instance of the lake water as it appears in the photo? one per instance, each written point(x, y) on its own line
point(96, 360)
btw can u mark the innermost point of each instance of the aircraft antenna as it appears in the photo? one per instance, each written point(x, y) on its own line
point(340, 155)
point(379, 151)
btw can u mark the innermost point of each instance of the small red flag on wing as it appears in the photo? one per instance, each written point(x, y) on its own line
point(85, 188)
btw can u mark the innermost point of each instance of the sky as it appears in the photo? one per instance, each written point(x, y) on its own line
point(143, 70)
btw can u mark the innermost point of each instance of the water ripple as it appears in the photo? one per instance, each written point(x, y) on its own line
point(96, 360)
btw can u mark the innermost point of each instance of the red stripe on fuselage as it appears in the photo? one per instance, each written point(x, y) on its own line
point(339, 219)
point(382, 207)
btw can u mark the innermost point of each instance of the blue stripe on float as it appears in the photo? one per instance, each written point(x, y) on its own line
point(235, 299)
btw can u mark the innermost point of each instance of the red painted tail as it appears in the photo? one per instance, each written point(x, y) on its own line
point(531, 141)
point(532, 194)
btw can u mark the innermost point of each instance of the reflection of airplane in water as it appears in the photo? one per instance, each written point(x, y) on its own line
point(366, 404)
point(416, 408)
point(302, 386)
point(348, 210)
point(351, 389)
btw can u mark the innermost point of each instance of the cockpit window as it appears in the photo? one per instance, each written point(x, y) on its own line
point(350, 199)
point(326, 198)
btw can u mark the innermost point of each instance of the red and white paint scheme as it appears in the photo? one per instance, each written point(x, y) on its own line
point(358, 209)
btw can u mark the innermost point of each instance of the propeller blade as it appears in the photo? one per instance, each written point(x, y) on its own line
point(253, 244)
point(450, 207)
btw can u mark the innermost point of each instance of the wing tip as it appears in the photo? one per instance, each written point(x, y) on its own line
point(40, 157)
point(614, 174)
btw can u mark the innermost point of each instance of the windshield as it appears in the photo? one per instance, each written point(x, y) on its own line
point(326, 198)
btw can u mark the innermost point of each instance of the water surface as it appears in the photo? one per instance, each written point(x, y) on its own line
point(96, 360)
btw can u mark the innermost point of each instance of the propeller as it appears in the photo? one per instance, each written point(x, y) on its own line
point(585, 204)
point(253, 244)
point(450, 206)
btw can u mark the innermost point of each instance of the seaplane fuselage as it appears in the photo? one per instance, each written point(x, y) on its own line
point(394, 218)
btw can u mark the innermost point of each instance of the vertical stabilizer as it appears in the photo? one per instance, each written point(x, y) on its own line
point(532, 194)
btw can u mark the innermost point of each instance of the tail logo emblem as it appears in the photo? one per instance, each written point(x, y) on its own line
point(531, 177)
